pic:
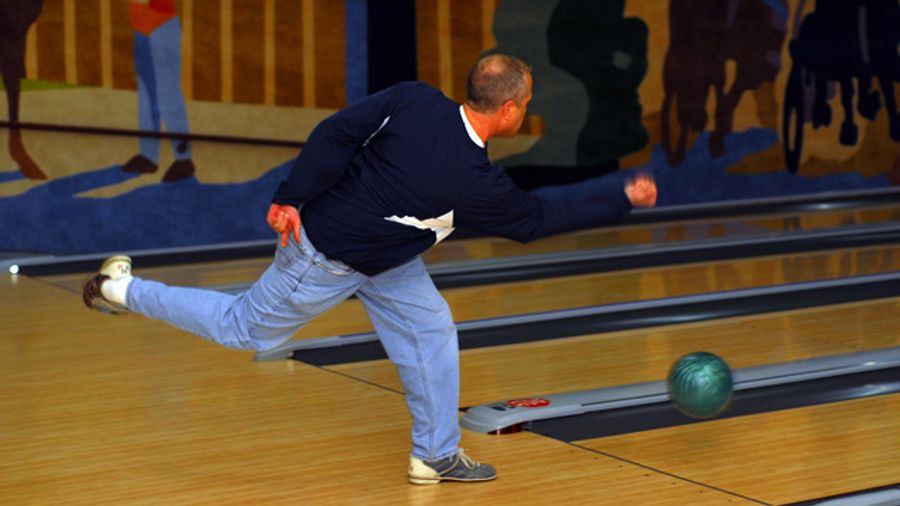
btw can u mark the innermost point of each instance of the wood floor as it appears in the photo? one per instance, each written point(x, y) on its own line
point(123, 410)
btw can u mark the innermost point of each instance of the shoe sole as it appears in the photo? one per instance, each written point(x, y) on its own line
point(108, 308)
point(435, 481)
point(97, 301)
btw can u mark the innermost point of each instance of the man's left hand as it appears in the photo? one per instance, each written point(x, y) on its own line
point(286, 221)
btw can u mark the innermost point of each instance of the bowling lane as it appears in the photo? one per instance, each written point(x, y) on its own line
point(639, 355)
point(778, 457)
point(692, 230)
point(228, 274)
point(175, 420)
point(478, 302)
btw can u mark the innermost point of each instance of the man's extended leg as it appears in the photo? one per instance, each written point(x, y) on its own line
point(416, 328)
point(299, 285)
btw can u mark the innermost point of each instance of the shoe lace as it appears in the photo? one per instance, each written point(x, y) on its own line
point(466, 460)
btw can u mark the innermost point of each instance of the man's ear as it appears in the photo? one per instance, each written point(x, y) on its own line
point(507, 107)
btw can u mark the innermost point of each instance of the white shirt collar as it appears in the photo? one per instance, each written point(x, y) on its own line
point(472, 134)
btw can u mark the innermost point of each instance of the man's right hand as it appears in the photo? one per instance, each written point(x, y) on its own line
point(641, 190)
point(285, 220)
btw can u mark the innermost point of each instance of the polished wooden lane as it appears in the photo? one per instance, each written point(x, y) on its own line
point(634, 356)
point(779, 457)
point(478, 302)
point(247, 270)
point(689, 230)
point(130, 410)
point(231, 273)
point(127, 410)
point(104, 410)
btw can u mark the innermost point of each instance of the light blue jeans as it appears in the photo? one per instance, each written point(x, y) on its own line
point(157, 63)
point(411, 318)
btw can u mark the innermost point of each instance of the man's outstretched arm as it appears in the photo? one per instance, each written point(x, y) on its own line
point(500, 208)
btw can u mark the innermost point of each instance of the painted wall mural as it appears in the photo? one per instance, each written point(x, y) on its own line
point(16, 17)
point(705, 37)
point(851, 45)
point(157, 65)
point(720, 99)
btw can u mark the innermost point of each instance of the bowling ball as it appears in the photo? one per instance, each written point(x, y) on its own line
point(700, 385)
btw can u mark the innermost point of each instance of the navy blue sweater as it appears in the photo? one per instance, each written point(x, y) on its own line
point(385, 179)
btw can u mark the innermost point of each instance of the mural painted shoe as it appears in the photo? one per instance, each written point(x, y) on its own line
point(114, 268)
point(27, 166)
point(458, 467)
point(140, 164)
point(849, 134)
point(868, 104)
point(180, 169)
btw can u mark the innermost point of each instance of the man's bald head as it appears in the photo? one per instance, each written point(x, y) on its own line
point(495, 79)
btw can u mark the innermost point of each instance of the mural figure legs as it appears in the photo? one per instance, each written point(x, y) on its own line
point(157, 62)
point(849, 130)
point(840, 41)
point(868, 103)
point(793, 119)
point(17, 151)
point(726, 103)
point(747, 33)
point(674, 152)
point(16, 18)
point(887, 91)
point(881, 38)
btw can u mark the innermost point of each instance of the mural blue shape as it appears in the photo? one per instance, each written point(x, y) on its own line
point(702, 177)
point(10, 176)
point(51, 219)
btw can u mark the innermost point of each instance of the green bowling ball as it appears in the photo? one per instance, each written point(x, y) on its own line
point(700, 385)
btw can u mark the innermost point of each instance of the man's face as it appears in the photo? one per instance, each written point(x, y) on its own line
point(514, 114)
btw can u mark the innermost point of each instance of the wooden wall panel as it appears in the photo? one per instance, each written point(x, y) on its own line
point(249, 47)
point(331, 54)
point(450, 36)
point(288, 54)
point(122, 47)
point(247, 51)
point(207, 50)
point(465, 31)
point(87, 54)
point(426, 42)
point(51, 43)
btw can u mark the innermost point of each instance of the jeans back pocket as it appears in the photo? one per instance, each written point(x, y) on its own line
point(333, 267)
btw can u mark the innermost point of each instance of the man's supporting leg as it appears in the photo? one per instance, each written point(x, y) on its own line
point(416, 328)
point(417, 331)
